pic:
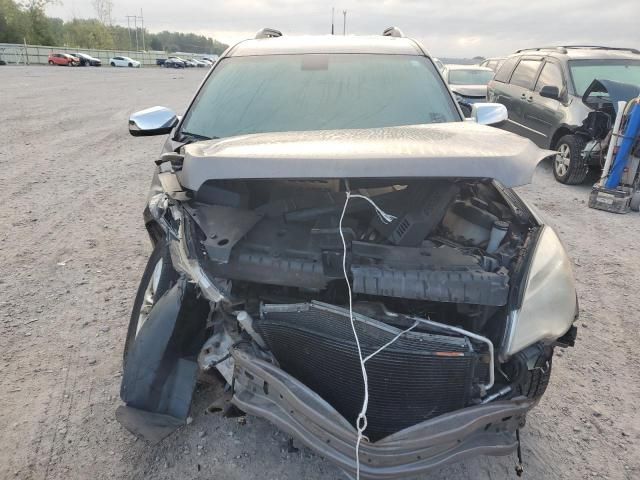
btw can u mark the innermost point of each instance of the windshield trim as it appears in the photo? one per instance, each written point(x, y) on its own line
point(178, 132)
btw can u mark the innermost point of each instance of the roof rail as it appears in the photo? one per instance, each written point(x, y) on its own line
point(600, 47)
point(566, 48)
point(537, 49)
point(392, 32)
point(268, 33)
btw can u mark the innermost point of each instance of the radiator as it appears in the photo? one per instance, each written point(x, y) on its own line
point(420, 376)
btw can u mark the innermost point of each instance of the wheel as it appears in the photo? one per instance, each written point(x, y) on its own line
point(635, 202)
point(568, 165)
point(158, 277)
point(536, 381)
point(113, 64)
point(131, 64)
point(51, 62)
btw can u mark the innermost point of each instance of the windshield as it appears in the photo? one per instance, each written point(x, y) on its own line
point(470, 77)
point(278, 93)
point(584, 72)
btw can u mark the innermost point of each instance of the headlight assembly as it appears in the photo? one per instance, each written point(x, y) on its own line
point(549, 305)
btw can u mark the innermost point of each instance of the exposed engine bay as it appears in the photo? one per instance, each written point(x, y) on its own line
point(284, 235)
point(444, 264)
point(394, 313)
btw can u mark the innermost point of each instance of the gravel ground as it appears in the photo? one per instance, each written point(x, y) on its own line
point(72, 249)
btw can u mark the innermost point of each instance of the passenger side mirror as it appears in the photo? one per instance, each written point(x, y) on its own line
point(551, 92)
point(152, 121)
point(489, 113)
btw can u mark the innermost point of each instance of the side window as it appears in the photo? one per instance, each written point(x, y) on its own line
point(525, 73)
point(551, 76)
point(505, 70)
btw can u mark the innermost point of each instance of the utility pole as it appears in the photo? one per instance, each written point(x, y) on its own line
point(129, 30)
point(142, 28)
point(135, 24)
point(333, 15)
point(344, 22)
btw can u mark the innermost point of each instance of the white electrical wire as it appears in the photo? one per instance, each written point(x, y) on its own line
point(361, 422)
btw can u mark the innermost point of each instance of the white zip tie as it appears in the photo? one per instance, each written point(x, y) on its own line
point(361, 421)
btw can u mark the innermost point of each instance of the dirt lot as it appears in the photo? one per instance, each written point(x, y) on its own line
point(72, 249)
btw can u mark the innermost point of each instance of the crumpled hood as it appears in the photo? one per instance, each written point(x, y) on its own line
point(459, 149)
point(616, 91)
point(470, 90)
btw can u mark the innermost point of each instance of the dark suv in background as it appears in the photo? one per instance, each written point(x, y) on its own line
point(544, 92)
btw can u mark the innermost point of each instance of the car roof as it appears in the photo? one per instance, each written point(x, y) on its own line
point(305, 44)
point(578, 52)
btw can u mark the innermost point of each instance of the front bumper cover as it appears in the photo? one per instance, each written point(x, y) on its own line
point(264, 390)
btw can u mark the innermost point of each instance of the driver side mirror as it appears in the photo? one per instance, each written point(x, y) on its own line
point(550, 92)
point(152, 121)
point(489, 113)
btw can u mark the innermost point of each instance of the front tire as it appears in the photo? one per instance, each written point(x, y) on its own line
point(113, 64)
point(569, 167)
point(536, 381)
point(158, 277)
point(131, 65)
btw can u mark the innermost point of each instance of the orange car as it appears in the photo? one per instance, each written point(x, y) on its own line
point(63, 59)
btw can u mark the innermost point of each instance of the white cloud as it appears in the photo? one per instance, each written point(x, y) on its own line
point(446, 27)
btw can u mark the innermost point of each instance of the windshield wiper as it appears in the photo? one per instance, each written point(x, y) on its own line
point(188, 137)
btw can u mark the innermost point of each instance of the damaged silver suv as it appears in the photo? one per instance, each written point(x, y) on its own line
point(344, 255)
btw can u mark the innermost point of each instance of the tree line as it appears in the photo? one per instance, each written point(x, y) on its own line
point(27, 21)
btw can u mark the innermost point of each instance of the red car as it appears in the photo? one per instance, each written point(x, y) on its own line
point(63, 59)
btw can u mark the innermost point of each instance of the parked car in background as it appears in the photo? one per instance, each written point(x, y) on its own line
point(124, 62)
point(468, 83)
point(63, 59)
point(197, 62)
point(313, 221)
point(208, 62)
point(544, 92)
point(494, 63)
point(190, 62)
point(174, 62)
point(87, 60)
point(161, 61)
